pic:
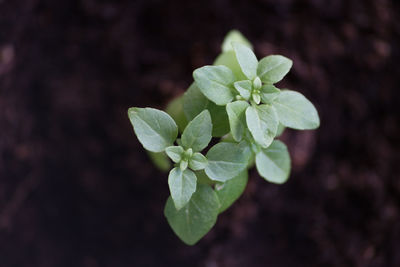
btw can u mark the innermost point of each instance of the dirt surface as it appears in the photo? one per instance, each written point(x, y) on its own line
point(76, 188)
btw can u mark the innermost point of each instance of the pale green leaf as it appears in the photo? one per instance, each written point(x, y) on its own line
point(155, 129)
point(272, 69)
point(247, 60)
point(295, 111)
point(256, 98)
point(160, 160)
point(237, 118)
point(225, 161)
point(215, 82)
point(195, 102)
point(175, 110)
point(198, 162)
point(197, 133)
point(229, 191)
point(269, 93)
point(202, 178)
point(182, 184)
point(281, 129)
point(195, 219)
point(273, 163)
point(234, 36)
point(183, 164)
point(262, 122)
point(244, 88)
point(174, 153)
point(229, 60)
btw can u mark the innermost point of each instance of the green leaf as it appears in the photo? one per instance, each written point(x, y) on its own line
point(229, 191)
point(174, 153)
point(160, 160)
point(175, 110)
point(244, 88)
point(155, 129)
point(197, 133)
point(215, 83)
point(194, 220)
point(195, 102)
point(272, 69)
point(295, 111)
point(281, 129)
point(237, 118)
point(225, 161)
point(273, 163)
point(202, 178)
point(247, 60)
point(234, 36)
point(229, 60)
point(182, 185)
point(245, 147)
point(262, 122)
point(183, 164)
point(269, 93)
point(198, 162)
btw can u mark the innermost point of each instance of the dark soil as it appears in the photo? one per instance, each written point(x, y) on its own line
point(76, 188)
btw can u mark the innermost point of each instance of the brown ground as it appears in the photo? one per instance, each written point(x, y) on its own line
point(76, 188)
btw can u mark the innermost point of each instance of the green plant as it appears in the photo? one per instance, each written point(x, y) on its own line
point(236, 101)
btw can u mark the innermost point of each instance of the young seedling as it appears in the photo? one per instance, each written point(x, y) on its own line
point(236, 101)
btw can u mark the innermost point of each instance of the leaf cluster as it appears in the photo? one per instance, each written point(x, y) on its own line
point(236, 102)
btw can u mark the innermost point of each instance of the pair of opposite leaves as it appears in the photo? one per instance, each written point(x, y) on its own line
point(157, 132)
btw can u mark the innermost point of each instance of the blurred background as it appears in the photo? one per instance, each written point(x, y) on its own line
point(77, 189)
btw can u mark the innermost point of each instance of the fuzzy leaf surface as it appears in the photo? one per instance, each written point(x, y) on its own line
point(229, 191)
point(272, 69)
point(234, 36)
point(247, 60)
point(237, 118)
point(154, 128)
point(195, 219)
point(194, 102)
point(215, 83)
point(273, 163)
point(295, 111)
point(182, 184)
point(262, 122)
point(174, 153)
point(244, 88)
point(198, 162)
point(197, 133)
point(225, 161)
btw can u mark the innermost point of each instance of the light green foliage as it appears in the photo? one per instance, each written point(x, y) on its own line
point(244, 88)
point(195, 102)
point(246, 59)
point(229, 191)
point(155, 129)
point(175, 153)
point(237, 118)
point(197, 133)
point(262, 122)
point(175, 110)
point(215, 83)
point(272, 69)
point(225, 160)
point(198, 162)
point(182, 185)
point(296, 111)
point(273, 163)
point(236, 101)
point(195, 219)
point(269, 93)
point(234, 36)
